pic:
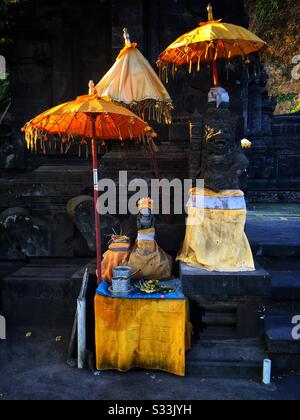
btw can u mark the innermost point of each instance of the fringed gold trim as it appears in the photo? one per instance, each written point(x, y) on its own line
point(151, 110)
point(39, 141)
point(199, 63)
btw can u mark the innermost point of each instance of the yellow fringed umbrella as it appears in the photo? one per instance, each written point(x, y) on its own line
point(84, 121)
point(72, 123)
point(211, 41)
point(133, 83)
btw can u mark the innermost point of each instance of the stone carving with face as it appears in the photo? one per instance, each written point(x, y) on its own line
point(223, 160)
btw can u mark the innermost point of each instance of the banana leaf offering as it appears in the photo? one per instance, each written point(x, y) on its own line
point(153, 286)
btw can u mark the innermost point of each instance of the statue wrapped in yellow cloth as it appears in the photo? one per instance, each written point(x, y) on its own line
point(146, 255)
point(116, 256)
point(215, 239)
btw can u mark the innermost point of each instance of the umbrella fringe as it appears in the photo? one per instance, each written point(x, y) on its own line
point(68, 147)
point(174, 70)
point(151, 109)
point(207, 51)
point(199, 63)
point(38, 140)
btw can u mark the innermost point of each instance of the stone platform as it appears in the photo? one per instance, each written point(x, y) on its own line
point(227, 306)
point(223, 285)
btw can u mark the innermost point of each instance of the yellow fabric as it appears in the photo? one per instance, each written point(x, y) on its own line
point(140, 333)
point(215, 239)
point(133, 82)
point(132, 79)
point(113, 259)
point(72, 119)
point(125, 50)
point(150, 231)
point(211, 41)
point(148, 257)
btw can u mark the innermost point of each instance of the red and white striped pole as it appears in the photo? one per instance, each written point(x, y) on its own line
point(93, 118)
point(96, 198)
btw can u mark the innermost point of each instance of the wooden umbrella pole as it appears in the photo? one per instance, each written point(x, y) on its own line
point(215, 73)
point(96, 198)
point(214, 63)
point(154, 159)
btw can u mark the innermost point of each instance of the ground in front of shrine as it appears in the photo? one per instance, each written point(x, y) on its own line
point(34, 368)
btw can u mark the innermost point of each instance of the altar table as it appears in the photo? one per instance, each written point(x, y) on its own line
point(142, 331)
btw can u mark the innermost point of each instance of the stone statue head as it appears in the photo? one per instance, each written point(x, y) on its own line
point(220, 131)
point(223, 160)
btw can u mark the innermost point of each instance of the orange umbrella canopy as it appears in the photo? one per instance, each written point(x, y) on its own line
point(211, 41)
point(73, 122)
point(133, 83)
point(84, 121)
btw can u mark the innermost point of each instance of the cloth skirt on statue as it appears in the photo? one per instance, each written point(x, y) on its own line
point(148, 257)
point(215, 234)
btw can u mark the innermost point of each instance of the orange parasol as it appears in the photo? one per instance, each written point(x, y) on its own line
point(211, 41)
point(84, 120)
point(72, 123)
point(133, 83)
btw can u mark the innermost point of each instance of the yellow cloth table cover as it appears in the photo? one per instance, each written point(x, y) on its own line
point(142, 333)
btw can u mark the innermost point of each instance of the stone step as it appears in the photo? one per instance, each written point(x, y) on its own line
point(42, 292)
point(279, 264)
point(64, 173)
point(44, 188)
point(285, 285)
point(284, 241)
point(226, 358)
point(218, 332)
point(279, 338)
point(9, 267)
point(285, 294)
point(201, 282)
point(283, 307)
point(283, 350)
point(219, 320)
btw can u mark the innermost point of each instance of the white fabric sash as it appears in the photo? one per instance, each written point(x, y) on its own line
point(146, 236)
point(217, 203)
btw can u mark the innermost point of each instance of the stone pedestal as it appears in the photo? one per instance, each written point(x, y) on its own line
point(230, 305)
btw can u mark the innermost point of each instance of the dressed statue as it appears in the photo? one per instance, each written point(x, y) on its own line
point(215, 235)
point(146, 255)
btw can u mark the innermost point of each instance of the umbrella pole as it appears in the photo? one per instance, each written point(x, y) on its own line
point(215, 73)
point(154, 159)
point(96, 197)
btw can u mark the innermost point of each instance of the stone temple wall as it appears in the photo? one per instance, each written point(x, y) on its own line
point(58, 46)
